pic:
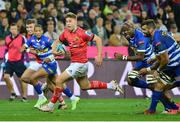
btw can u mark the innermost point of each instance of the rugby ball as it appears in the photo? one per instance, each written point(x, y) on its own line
point(61, 48)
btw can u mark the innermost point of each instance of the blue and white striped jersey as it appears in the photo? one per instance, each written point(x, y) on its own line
point(142, 44)
point(163, 41)
point(42, 45)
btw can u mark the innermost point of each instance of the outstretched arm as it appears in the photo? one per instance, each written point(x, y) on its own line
point(138, 57)
point(98, 41)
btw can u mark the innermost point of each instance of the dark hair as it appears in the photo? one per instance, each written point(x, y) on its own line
point(149, 23)
point(173, 26)
point(126, 26)
point(70, 15)
point(30, 21)
point(13, 24)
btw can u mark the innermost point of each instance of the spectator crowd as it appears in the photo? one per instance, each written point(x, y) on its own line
point(102, 17)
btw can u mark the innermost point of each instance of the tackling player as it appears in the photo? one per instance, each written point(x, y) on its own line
point(144, 53)
point(168, 61)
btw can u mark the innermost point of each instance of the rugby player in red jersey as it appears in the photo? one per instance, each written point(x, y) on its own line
point(78, 41)
point(35, 66)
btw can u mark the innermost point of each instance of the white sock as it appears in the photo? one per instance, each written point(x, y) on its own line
point(72, 97)
point(51, 105)
point(41, 95)
point(109, 86)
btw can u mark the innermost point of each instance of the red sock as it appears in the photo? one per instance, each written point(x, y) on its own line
point(57, 93)
point(61, 99)
point(98, 85)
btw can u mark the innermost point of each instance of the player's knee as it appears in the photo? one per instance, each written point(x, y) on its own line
point(85, 87)
point(6, 77)
point(159, 86)
point(60, 80)
point(32, 78)
point(25, 79)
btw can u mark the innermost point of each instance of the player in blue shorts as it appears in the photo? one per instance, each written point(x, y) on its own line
point(167, 62)
point(144, 53)
point(40, 45)
point(35, 65)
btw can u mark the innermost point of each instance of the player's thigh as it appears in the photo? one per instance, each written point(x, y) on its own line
point(50, 84)
point(63, 78)
point(76, 70)
point(41, 73)
point(51, 81)
point(83, 82)
point(27, 75)
point(52, 78)
point(7, 76)
point(160, 86)
point(35, 66)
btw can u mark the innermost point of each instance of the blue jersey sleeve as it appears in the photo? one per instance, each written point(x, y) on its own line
point(141, 41)
point(159, 47)
point(49, 42)
point(141, 45)
point(28, 43)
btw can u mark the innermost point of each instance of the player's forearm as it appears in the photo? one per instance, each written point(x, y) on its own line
point(163, 60)
point(162, 65)
point(33, 51)
point(138, 57)
point(54, 45)
point(134, 58)
point(23, 48)
point(98, 45)
point(155, 65)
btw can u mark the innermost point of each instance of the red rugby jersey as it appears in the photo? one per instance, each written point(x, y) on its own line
point(78, 42)
point(13, 47)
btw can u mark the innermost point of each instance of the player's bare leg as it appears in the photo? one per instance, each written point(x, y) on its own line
point(85, 84)
point(41, 73)
point(60, 81)
point(26, 75)
point(51, 86)
point(24, 91)
point(10, 86)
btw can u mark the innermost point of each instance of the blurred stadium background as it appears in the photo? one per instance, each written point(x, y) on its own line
point(104, 18)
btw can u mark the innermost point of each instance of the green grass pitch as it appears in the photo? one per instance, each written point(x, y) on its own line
point(87, 110)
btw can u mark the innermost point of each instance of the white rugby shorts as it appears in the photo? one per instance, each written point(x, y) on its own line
point(35, 65)
point(76, 70)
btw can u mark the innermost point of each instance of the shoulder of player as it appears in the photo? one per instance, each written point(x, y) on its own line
point(8, 37)
point(32, 38)
point(81, 30)
point(138, 33)
point(158, 32)
point(65, 30)
point(45, 38)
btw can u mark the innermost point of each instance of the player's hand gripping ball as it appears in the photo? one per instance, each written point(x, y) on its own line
point(61, 48)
